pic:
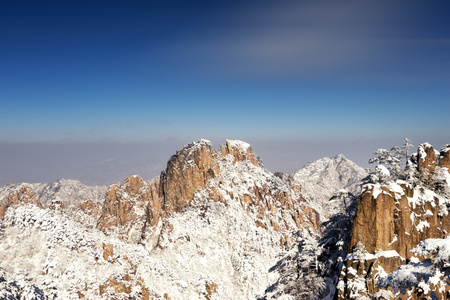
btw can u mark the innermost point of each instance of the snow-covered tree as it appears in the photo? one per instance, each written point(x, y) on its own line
point(359, 252)
point(299, 271)
point(406, 146)
point(402, 153)
point(388, 160)
point(334, 243)
point(393, 161)
point(382, 173)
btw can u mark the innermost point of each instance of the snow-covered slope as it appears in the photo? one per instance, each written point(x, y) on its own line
point(223, 253)
point(214, 225)
point(239, 222)
point(321, 179)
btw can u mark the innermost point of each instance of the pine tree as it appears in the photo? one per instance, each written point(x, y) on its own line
point(393, 161)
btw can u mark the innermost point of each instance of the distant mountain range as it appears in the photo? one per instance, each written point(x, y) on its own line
point(70, 192)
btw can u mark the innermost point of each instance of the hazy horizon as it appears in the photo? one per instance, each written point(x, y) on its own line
point(108, 163)
point(100, 90)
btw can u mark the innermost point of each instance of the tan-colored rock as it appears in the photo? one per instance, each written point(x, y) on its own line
point(144, 289)
point(24, 195)
point(388, 219)
point(117, 285)
point(91, 208)
point(155, 202)
point(374, 221)
point(211, 288)
point(240, 151)
point(187, 171)
point(386, 216)
point(131, 207)
point(426, 158)
point(108, 252)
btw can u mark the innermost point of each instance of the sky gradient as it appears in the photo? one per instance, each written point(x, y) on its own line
point(99, 90)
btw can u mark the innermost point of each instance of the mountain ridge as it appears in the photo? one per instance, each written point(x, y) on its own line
point(158, 238)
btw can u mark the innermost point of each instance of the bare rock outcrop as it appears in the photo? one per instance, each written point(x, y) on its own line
point(24, 195)
point(139, 202)
point(391, 220)
point(130, 207)
point(426, 159)
point(187, 171)
point(240, 151)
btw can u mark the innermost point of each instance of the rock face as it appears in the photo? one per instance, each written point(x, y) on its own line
point(130, 208)
point(391, 220)
point(426, 159)
point(17, 197)
point(89, 212)
point(187, 171)
point(240, 151)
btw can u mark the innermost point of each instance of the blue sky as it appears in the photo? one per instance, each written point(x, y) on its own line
point(297, 79)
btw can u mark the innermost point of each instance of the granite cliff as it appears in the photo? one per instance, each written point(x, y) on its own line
point(393, 219)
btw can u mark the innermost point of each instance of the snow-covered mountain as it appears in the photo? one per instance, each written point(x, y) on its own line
point(321, 179)
point(214, 225)
point(70, 192)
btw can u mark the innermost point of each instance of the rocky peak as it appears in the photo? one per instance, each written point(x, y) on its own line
point(187, 171)
point(133, 185)
point(240, 151)
point(137, 201)
point(197, 171)
point(426, 159)
point(24, 195)
point(130, 208)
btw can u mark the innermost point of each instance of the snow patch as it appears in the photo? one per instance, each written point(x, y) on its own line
point(369, 256)
point(393, 240)
point(239, 144)
point(422, 225)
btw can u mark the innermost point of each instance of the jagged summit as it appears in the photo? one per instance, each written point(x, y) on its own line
point(238, 144)
point(20, 196)
point(194, 145)
point(232, 173)
point(240, 151)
